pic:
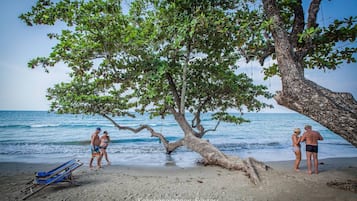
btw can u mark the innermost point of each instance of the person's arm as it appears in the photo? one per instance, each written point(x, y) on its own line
point(293, 138)
point(299, 140)
point(303, 138)
point(92, 141)
point(320, 136)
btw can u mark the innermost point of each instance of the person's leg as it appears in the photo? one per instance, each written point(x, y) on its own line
point(298, 160)
point(106, 157)
point(99, 159)
point(316, 163)
point(91, 162)
point(308, 159)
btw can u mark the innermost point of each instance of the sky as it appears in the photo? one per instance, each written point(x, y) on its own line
point(22, 88)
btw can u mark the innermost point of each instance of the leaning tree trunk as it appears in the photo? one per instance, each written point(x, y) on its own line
point(210, 154)
point(335, 111)
point(213, 156)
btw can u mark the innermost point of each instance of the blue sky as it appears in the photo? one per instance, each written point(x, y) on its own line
point(22, 88)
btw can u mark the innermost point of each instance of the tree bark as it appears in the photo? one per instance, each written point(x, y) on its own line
point(335, 111)
point(213, 156)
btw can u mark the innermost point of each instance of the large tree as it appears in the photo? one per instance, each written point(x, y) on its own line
point(284, 31)
point(159, 57)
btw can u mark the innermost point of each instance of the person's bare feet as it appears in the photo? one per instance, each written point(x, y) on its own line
point(309, 172)
point(297, 169)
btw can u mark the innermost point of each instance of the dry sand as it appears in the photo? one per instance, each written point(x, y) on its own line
point(186, 184)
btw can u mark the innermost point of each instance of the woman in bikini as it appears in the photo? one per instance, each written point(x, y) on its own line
point(104, 142)
point(296, 147)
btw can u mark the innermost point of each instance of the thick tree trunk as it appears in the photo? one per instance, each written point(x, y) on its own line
point(335, 111)
point(212, 156)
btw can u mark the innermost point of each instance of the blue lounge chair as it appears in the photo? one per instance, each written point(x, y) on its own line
point(62, 173)
point(53, 171)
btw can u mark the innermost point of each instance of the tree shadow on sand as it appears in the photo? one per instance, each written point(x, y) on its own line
point(349, 185)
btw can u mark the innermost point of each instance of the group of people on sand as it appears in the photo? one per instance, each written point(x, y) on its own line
point(99, 147)
point(311, 138)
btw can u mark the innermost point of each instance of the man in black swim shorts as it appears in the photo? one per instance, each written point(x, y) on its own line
point(312, 148)
point(311, 138)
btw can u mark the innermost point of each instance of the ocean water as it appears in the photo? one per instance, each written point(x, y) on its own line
point(42, 137)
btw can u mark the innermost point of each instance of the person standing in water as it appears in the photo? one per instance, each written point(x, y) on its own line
point(94, 143)
point(311, 137)
point(104, 142)
point(296, 147)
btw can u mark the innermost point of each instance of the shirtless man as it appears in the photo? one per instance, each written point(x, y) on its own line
point(311, 137)
point(94, 143)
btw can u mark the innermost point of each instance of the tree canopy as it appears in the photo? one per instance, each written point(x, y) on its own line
point(318, 46)
point(298, 44)
point(157, 57)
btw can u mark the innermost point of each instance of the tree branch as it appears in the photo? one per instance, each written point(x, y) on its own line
point(299, 24)
point(173, 89)
point(198, 113)
point(313, 10)
point(170, 147)
point(283, 47)
point(311, 22)
point(184, 80)
point(267, 52)
point(213, 129)
point(197, 119)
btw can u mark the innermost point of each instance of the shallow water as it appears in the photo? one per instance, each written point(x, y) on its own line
point(38, 136)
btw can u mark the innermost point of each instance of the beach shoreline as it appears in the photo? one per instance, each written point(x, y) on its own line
point(125, 182)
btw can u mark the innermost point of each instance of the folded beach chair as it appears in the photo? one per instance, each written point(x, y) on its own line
point(55, 170)
point(62, 173)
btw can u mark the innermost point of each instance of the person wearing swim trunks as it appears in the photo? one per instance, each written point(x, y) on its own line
point(296, 147)
point(104, 142)
point(94, 143)
point(311, 139)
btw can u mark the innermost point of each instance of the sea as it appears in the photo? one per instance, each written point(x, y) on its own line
point(43, 137)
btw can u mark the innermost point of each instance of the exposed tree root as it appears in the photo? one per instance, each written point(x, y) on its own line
point(250, 166)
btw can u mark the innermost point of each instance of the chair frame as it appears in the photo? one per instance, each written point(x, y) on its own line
point(62, 173)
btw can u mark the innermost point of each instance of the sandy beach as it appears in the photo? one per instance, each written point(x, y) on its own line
point(119, 182)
